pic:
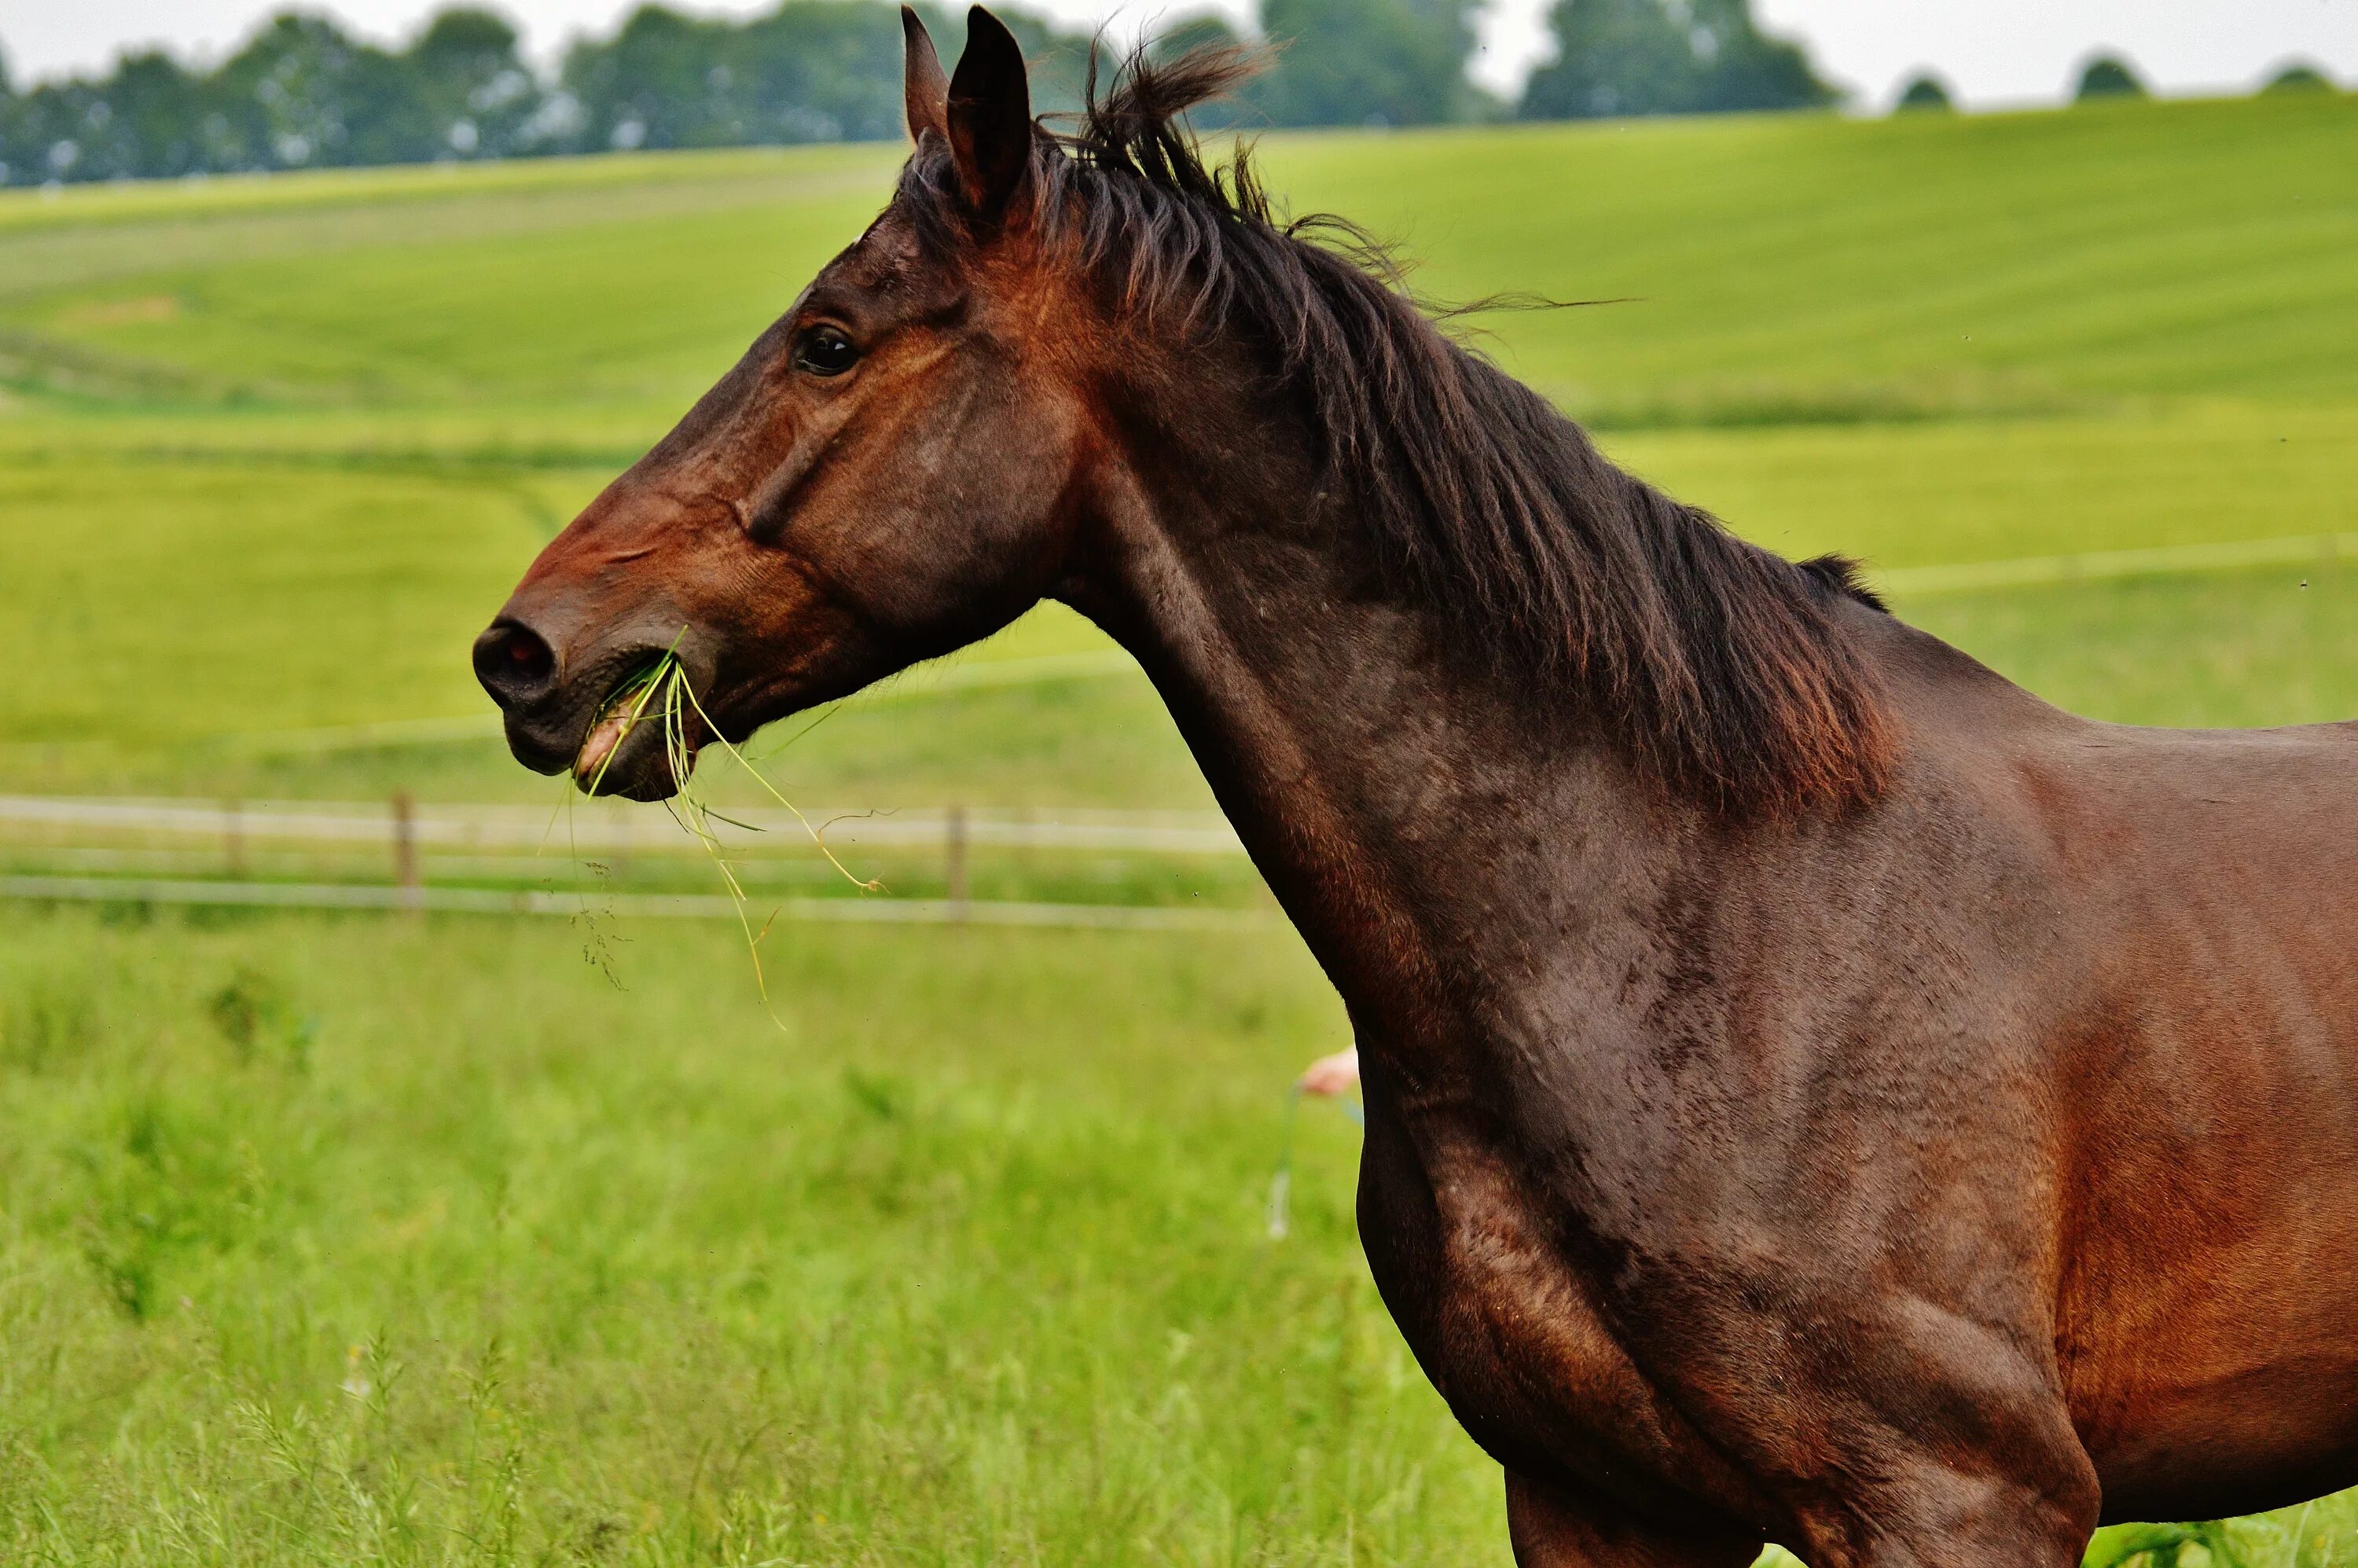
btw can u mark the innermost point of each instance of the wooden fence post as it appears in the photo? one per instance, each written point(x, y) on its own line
point(955, 848)
point(405, 871)
point(233, 840)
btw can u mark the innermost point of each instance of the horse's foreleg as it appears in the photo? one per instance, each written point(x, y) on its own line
point(1552, 1528)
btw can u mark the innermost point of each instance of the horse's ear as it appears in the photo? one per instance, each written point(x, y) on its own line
point(924, 90)
point(990, 115)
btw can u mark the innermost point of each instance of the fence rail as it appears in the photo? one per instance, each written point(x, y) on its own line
point(680, 906)
point(403, 854)
point(607, 827)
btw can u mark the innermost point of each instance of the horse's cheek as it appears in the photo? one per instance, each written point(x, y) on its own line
point(973, 541)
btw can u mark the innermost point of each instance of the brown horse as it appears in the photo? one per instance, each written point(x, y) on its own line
point(1816, 1092)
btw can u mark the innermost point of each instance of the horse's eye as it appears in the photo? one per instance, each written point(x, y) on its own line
point(823, 351)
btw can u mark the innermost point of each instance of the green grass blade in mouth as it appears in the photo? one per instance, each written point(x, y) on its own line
point(638, 690)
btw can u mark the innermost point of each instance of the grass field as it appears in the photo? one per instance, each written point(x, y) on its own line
point(344, 1239)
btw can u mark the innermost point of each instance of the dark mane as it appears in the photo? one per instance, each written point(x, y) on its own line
point(1726, 667)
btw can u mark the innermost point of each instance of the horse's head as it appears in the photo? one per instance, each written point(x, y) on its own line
point(889, 474)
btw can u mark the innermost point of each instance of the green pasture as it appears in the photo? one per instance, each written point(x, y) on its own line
point(349, 1238)
point(329, 1241)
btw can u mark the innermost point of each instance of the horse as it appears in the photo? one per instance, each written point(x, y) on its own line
point(1815, 1091)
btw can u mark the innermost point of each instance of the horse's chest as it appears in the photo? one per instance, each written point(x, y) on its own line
point(1509, 1330)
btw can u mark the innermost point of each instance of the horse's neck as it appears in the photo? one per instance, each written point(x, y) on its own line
point(1425, 829)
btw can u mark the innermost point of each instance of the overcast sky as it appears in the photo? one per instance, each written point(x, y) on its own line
point(1992, 51)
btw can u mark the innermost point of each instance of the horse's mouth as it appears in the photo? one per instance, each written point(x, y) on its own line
point(641, 743)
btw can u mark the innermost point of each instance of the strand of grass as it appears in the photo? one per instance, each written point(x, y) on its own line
point(695, 821)
point(603, 874)
point(694, 818)
point(647, 683)
point(670, 661)
point(666, 675)
point(817, 838)
point(566, 802)
point(829, 711)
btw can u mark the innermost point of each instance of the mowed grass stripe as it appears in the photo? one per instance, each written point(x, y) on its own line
point(78, 245)
point(2162, 560)
point(355, 593)
point(1947, 493)
point(2028, 262)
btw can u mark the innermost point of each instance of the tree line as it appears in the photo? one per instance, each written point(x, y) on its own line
point(304, 92)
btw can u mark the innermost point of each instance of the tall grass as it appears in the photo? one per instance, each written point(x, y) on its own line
point(520, 1266)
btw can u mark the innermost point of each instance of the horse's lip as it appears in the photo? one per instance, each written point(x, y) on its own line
point(637, 767)
point(626, 748)
point(618, 714)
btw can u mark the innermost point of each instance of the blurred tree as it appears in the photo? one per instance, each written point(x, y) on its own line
point(1613, 56)
point(2300, 77)
point(812, 70)
point(469, 74)
point(302, 93)
point(1746, 69)
point(2108, 76)
point(141, 120)
point(1365, 62)
point(656, 83)
point(1667, 56)
point(1926, 91)
point(153, 108)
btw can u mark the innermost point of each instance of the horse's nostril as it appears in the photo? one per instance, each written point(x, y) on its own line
point(513, 662)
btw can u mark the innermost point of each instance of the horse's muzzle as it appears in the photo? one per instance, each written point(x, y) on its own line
point(550, 694)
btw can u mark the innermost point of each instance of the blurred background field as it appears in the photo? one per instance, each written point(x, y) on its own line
point(339, 1237)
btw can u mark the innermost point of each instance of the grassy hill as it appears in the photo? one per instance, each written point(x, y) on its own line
point(366, 398)
point(328, 1240)
point(1782, 268)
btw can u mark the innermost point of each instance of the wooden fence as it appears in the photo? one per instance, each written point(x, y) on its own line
point(407, 855)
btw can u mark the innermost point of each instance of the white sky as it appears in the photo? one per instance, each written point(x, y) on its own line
point(1991, 51)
